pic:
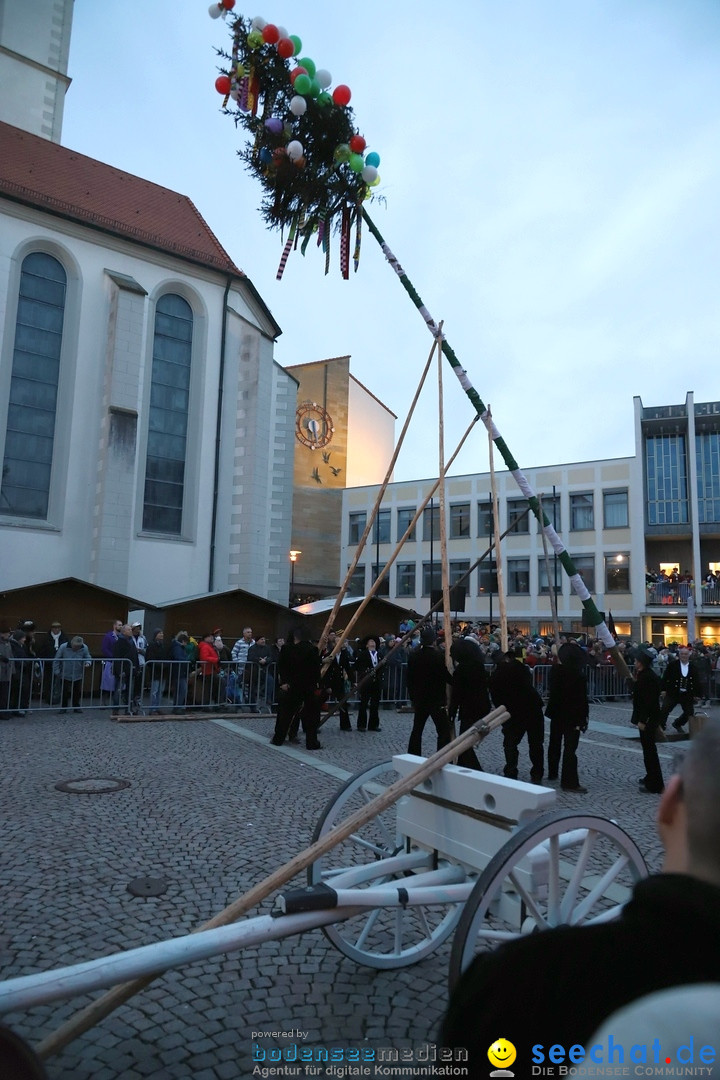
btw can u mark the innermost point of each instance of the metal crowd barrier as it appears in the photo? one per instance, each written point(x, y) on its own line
point(604, 682)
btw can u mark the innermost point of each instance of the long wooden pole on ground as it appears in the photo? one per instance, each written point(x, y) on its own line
point(444, 580)
point(593, 616)
point(373, 513)
point(86, 1018)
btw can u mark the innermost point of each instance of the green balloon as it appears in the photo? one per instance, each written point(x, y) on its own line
point(308, 64)
point(303, 84)
point(342, 152)
point(314, 88)
point(297, 43)
point(356, 163)
point(324, 100)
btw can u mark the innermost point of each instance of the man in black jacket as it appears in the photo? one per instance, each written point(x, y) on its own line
point(127, 675)
point(679, 688)
point(428, 680)
point(511, 685)
point(557, 986)
point(299, 691)
point(335, 675)
point(646, 714)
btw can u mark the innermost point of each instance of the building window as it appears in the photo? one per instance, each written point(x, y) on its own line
point(431, 583)
point(551, 509)
point(404, 516)
point(556, 577)
point(356, 527)
point(381, 527)
point(516, 522)
point(615, 509)
point(383, 588)
point(582, 516)
point(487, 577)
point(459, 521)
point(707, 453)
point(666, 470)
point(518, 577)
point(169, 406)
point(485, 520)
point(617, 572)
point(30, 429)
point(405, 579)
point(431, 523)
point(356, 585)
point(456, 569)
point(585, 566)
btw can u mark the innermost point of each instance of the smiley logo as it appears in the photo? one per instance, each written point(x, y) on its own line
point(502, 1053)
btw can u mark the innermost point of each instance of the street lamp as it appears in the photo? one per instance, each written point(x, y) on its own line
point(293, 559)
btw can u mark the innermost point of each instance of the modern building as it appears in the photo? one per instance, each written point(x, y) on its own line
point(622, 520)
point(146, 433)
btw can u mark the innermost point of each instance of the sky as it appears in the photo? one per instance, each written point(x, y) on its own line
point(550, 176)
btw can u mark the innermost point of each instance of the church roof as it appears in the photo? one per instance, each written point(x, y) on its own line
point(43, 174)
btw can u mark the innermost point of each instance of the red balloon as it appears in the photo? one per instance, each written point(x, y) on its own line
point(357, 143)
point(222, 84)
point(227, 4)
point(295, 72)
point(285, 47)
point(271, 34)
point(342, 94)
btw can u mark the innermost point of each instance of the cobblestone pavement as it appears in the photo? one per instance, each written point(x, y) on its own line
point(213, 808)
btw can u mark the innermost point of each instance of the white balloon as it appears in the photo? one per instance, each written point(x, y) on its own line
point(258, 23)
point(294, 150)
point(323, 78)
point(298, 105)
point(369, 174)
point(282, 31)
point(214, 11)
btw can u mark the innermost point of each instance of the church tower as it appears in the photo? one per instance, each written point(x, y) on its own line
point(34, 48)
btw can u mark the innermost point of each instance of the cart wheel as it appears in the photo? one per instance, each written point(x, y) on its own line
point(558, 869)
point(380, 937)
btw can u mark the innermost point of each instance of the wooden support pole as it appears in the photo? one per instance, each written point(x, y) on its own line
point(444, 570)
point(498, 553)
point(86, 1018)
point(551, 585)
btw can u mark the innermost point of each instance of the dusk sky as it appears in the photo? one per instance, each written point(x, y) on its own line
point(550, 170)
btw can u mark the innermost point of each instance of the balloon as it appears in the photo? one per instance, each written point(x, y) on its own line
point(308, 64)
point(285, 48)
point(258, 23)
point(228, 4)
point(295, 72)
point(265, 155)
point(298, 162)
point(298, 106)
point(214, 11)
point(222, 84)
point(302, 84)
point(294, 150)
point(324, 78)
point(314, 88)
point(357, 144)
point(296, 42)
point(373, 159)
point(282, 32)
point(270, 34)
point(324, 100)
point(356, 162)
point(255, 39)
point(342, 152)
point(376, 181)
point(342, 95)
point(240, 70)
point(274, 124)
point(369, 174)
point(279, 155)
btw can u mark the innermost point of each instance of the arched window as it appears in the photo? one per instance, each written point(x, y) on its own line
point(30, 430)
point(169, 403)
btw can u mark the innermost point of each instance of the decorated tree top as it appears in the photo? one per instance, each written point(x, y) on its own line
point(304, 147)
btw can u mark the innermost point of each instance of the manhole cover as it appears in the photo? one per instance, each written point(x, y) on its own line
point(92, 785)
point(147, 886)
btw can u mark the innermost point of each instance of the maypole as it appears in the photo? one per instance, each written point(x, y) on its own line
point(316, 175)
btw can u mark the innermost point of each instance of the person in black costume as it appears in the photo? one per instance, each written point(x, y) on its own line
point(558, 985)
point(679, 687)
point(370, 683)
point(335, 676)
point(469, 697)
point(428, 679)
point(511, 685)
point(568, 710)
point(299, 692)
point(646, 714)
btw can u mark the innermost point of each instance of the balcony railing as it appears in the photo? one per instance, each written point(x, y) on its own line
point(676, 595)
